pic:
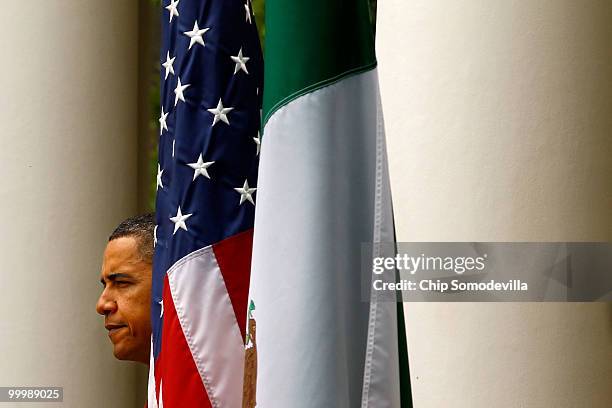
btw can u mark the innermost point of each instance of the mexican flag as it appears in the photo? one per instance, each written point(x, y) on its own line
point(323, 190)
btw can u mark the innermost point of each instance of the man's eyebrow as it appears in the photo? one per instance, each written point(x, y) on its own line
point(114, 276)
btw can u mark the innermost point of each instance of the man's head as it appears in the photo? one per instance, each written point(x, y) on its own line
point(125, 301)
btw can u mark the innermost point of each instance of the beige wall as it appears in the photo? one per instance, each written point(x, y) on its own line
point(68, 84)
point(499, 124)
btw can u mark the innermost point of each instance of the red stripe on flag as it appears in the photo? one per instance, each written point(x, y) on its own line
point(234, 259)
point(181, 381)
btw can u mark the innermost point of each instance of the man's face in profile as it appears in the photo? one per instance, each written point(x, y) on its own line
point(125, 300)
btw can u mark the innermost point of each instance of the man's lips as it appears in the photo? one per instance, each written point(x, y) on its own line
point(113, 328)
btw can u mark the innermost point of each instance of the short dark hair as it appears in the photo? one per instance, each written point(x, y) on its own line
point(140, 227)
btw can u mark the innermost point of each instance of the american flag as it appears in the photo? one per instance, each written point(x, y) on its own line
point(211, 87)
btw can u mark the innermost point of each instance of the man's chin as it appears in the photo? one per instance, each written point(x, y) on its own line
point(121, 354)
point(130, 354)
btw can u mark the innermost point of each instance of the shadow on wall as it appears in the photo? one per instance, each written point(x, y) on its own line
point(610, 325)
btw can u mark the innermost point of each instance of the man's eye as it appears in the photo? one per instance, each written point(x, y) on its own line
point(122, 283)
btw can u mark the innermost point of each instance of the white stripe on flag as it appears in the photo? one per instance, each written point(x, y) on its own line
point(316, 206)
point(209, 324)
point(381, 372)
point(152, 397)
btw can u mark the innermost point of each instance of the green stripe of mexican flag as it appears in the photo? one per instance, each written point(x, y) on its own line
point(310, 44)
point(323, 190)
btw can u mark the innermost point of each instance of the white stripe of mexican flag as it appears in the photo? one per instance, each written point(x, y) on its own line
point(323, 191)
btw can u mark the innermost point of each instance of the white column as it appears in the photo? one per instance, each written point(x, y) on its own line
point(68, 174)
point(499, 124)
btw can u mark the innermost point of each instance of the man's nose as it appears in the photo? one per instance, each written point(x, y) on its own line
point(106, 304)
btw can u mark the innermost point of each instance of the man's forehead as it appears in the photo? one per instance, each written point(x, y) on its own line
point(121, 255)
